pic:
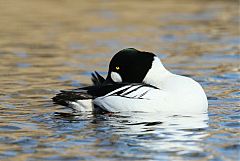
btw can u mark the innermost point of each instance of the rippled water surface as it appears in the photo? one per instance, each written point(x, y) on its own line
point(50, 45)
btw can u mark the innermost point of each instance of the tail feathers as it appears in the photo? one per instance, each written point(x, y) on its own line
point(65, 97)
point(97, 79)
point(81, 99)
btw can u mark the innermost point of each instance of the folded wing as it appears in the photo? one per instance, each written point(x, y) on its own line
point(104, 95)
point(131, 97)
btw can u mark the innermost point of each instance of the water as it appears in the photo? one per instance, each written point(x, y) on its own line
point(46, 46)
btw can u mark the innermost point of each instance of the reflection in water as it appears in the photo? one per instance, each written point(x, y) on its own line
point(151, 132)
point(163, 133)
point(47, 45)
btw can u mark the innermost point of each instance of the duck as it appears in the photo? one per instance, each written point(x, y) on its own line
point(136, 81)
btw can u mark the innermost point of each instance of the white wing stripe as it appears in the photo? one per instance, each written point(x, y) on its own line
point(131, 91)
point(117, 90)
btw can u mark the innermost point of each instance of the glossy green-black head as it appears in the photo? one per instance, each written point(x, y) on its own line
point(130, 65)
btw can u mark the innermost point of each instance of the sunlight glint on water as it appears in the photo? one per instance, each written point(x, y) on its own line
point(46, 46)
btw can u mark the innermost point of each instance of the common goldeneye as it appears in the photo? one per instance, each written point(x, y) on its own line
point(137, 81)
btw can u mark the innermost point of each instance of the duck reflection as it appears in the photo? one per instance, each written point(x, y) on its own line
point(137, 132)
point(161, 132)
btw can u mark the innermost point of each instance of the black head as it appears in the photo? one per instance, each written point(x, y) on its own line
point(130, 65)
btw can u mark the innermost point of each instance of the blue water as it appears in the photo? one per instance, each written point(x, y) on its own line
point(47, 46)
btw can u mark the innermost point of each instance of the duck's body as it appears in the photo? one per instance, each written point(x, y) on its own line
point(156, 90)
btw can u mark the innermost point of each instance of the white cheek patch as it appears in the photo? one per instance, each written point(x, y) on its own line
point(116, 77)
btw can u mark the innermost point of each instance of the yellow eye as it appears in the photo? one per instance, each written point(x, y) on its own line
point(117, 67)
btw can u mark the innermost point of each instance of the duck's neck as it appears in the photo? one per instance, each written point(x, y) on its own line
point(156, 74)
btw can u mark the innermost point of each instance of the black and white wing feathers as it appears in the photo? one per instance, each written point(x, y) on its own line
point(132, 91)
point(102, 89)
